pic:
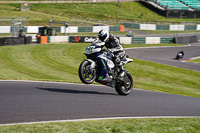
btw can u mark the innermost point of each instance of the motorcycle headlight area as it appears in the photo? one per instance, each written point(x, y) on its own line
point(92, 50)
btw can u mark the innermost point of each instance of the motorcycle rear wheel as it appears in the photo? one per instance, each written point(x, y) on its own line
point(86, 74)
point(125, 88)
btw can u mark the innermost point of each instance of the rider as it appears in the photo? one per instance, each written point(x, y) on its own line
point(113, 46)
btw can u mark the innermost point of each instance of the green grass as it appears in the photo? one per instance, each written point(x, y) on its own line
point(60, 62)
point(40, 62)
point(40, 14)
point(153, 125)
point(195, 60)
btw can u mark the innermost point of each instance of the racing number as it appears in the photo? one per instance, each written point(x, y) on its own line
point(90, 49)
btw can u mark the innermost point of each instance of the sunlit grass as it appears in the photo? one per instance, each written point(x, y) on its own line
point(60, 62)
point(153, 125)
point(195, 60)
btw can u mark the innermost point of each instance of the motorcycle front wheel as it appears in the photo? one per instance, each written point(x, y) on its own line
point(86, 74)
point(125, 88)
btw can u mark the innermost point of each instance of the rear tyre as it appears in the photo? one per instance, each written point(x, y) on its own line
point(125, 88)
point(86, 74)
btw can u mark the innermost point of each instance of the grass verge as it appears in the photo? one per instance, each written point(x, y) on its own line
point(195, 60)
point(60, 62)
point(149, 125)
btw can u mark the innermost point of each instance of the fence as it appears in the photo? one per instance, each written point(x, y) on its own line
point(123, 40)
point(146, 33)
point(75, 26)
point(163, 28)
point(12, 27)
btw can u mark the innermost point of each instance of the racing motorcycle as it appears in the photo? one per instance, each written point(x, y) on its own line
point(179, 55)
point(89, 69)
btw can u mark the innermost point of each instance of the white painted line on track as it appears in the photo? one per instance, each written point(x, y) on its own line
point(96, 119)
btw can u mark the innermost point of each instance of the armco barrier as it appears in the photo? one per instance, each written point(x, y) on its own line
point(138, 40)
point(176, 27)
point(95, 29)
point(70, 29)
point(190, 27)
point(167, 40)
point(162, 27)
point(152, 40)
point(198, 27)
point(147, 27)
point(132, 25)
point(33, 29)
point(125, 40)
point(84, 29)
point(5, 29)
point(114, 28)
point(58, 39)
point(98, 28)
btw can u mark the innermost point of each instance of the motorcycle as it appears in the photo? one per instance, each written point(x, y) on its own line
point(179, 55)
point(89, 70)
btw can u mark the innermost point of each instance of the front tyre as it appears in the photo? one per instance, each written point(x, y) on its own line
point(86, 74)
point(125, 88)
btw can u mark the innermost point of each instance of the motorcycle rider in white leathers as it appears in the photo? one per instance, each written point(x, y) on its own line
point(113, 46)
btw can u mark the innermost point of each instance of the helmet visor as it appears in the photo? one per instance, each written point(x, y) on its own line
point(103, 37)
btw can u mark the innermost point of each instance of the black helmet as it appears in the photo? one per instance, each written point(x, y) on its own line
point(103, 35)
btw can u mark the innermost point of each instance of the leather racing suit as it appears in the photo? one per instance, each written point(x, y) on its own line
point(113, 45)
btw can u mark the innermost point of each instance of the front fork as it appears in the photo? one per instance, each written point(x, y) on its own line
point(93, 64)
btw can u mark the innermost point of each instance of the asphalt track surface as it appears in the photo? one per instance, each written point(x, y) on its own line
point(40, 101)
point(166, 55)
point(24, 101)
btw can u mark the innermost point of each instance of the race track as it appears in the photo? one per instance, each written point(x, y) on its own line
point(24, 101)
point(166, 55)
point(40, 101)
